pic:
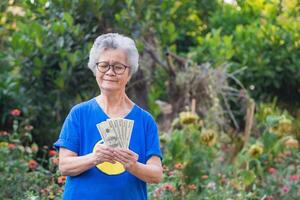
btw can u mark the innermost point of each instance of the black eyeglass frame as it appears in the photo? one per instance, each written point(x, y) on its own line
point(113, 67)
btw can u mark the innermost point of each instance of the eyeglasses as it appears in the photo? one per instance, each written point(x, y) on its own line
point(118, 68)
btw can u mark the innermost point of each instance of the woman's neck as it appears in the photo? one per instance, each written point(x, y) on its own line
point(115, 104)
point(112, 100)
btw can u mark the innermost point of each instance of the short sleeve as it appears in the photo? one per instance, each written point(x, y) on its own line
point(152, 140)
point(69, 134)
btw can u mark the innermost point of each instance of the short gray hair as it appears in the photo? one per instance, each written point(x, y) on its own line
point(114, 41)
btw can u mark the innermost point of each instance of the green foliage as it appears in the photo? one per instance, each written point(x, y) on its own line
point(194, 168)
point(157, 91)
point(49, 55)
point(45, 48)
point(213, 48)
point(27, 172)
point(261, 36)
point(153, 107)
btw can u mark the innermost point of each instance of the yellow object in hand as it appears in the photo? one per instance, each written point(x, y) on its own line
point(110, 168)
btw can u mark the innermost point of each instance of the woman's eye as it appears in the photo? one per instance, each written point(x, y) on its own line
point(118, 67)
point(103, 66)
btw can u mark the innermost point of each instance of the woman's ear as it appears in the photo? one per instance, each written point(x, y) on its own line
point(129, 78)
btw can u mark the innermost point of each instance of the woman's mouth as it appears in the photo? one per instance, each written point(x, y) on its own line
point(110, 80)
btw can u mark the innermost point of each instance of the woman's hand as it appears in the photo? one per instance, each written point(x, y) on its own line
point(151, 172)
point(125, 156)
point(103, 153)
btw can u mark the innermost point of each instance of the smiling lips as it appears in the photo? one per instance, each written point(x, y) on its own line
point(110, 80)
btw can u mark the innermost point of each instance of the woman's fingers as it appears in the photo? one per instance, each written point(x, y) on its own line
point(100, 159)
point(121, 155)
point(108, 154)
point(105, 156)
point(126, 157)
point(130, 155)
point(126, 163)
point(104, 153)
point(103, 147)
point(120, 158)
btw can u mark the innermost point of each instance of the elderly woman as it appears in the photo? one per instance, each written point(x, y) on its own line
point(95, 170)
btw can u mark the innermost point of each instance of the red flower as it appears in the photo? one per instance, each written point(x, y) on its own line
point(157, 192)
point(15, 112)
point(171, 173)
point(32, 164)
point(52, 153)
point(269, 197)
point(61, 180)
point(204, 177)
point(192, 187)
point(44, 190)
point(272, 170)
point(11, 146)
point(294, 177)
point(169, 187)
point(285, 189)
point(3, 133)
point(178, 166)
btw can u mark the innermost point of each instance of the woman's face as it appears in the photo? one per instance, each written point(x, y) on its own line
point(109, 80)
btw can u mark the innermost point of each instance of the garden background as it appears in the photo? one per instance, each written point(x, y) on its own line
point(221, 78)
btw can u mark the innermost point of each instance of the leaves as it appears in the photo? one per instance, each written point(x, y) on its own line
point(247, 177)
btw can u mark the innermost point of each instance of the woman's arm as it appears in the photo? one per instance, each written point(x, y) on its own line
point(70, 164)
point(151, 172)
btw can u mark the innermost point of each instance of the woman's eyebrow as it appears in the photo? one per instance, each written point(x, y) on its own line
point(114, 62)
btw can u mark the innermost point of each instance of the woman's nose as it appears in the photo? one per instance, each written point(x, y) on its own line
point(110, 71)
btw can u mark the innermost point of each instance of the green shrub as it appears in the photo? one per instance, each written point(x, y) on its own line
point(200, 162)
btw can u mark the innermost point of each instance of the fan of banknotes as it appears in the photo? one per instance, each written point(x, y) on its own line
point(116, 132)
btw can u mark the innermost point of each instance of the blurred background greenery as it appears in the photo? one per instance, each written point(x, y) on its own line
point(45, 45)
point(218, 53)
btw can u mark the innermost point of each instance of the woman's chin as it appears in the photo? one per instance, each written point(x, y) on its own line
point(109, 88)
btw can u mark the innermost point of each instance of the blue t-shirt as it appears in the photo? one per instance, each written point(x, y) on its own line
point(80, 134)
